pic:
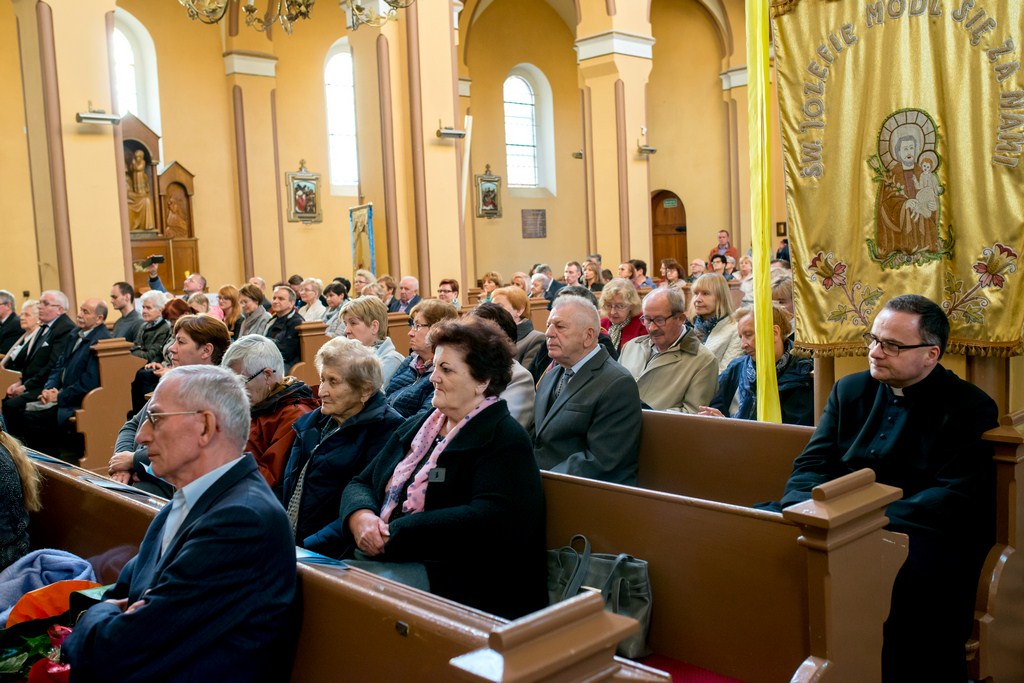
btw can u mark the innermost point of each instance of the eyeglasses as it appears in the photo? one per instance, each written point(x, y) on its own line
point(254, 375)
point(48, 304)
point(444, 291)
point(617, 307)
point(658, 320)
point(155, 418)
point(890, 348)
point(416, 327)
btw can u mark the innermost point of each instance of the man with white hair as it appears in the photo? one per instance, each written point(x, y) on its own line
point(209, 596)
point(587, 411)
point(276, 402)
point(408, 295)
point(55, 329)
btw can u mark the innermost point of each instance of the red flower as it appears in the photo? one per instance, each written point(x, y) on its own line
point(831, 274)
point(999, 260)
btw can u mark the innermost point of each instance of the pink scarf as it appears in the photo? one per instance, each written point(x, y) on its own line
point(421, 443)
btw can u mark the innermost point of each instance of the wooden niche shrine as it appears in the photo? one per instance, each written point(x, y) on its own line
point(160, 217)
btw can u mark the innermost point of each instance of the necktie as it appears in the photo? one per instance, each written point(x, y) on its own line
point(563, 381)
point(174, 520)
point(40, 336)
point(296, 500)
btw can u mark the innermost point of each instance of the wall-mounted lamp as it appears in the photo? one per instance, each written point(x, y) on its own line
point(578, 154)
point(645, 150)
point(100, 117)
point(447, 132)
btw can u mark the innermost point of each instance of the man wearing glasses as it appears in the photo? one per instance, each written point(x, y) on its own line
point(673, 370)
point(919, 427)
point(209, 596)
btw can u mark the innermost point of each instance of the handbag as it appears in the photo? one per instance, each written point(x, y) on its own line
point(622, 579)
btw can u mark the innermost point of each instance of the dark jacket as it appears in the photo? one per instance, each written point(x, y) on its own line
point(149, 341)
point(481, 533)
point(284, 333)
point(395, 305)
point(409, 391)
point(45, 355)
point(270, 431)
point(332, 465)
point(128, 326)
point(76, 373)
point(10, 332)
point(796, 390)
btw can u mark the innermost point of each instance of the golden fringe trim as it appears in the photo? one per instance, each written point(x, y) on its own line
point(959, 347)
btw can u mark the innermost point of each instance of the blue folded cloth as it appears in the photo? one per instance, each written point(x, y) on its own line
point(37, 569)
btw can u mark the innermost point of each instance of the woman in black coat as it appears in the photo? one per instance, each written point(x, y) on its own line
point(456, 488)
point(335, 442)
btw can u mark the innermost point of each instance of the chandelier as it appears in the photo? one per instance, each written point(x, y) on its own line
point(374, 13)
point(287, 12)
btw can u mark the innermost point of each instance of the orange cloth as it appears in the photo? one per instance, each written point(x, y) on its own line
point(48, 601)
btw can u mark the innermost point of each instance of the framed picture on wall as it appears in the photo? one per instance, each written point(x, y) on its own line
point(360, 218)
point(488, 194)
point(780, 229)
point(303, 193)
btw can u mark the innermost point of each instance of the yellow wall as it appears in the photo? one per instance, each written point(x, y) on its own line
point(687, 118)
point(492, 50)
point(20, 269)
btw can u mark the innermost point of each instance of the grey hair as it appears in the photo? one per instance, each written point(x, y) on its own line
point(6, 298)
point(315, 283)
point(358, 365)
point(157, 297)
point(29, 303)
point(542, 277)
point(676, 301)
point(58, 295)
point(543, 268)
point(585, 312)
point(218, 390)
point(253, 353)
point(410, 278)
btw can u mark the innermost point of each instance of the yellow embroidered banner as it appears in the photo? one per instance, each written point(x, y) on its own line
point(903, 131)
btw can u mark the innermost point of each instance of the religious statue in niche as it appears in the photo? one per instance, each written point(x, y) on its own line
point(176, 221)
point(140, 200)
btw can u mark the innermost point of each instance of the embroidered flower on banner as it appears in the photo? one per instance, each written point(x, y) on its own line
point(999, 260)
point(831, 274)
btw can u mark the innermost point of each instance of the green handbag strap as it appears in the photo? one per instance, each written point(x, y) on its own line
point(579, 573)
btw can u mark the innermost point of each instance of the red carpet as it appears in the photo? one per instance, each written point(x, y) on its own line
point(685, 673)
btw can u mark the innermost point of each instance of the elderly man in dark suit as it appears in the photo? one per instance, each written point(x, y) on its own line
point(284, 327)
point(210, 595)
point(408, 295)
point(55, 329)
point(587, 412)
point(10, 328)
point(76, 373)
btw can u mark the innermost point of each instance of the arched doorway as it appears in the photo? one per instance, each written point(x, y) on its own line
point(668, 229)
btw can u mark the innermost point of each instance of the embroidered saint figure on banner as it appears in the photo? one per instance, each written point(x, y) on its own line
point(908, 210)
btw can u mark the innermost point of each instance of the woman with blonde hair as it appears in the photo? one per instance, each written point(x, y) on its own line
point(592, 277)
point(620, 312)
point(229, 304)
point(309, 291)
point(710, 315)
point(366, 320)
point(490, 281)
point(19, 495)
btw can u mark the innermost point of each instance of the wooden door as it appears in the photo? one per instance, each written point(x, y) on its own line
point(668, 228)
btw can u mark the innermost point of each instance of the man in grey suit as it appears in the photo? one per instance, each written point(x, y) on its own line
point(587, 414)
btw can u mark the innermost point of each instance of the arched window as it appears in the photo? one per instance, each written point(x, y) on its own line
point(529, 130)
point(340, 91)
point(134, 57)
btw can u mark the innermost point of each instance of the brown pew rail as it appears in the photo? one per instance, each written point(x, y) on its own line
point(367, 627)
point(743, 462)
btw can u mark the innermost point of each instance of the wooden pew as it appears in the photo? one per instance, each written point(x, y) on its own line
point(753, 595)
point(312, 335)
point(7, 378)
point(104, 408)
point(398, 330)
point(743, 462)
point(357, 623)
point(472, 296)
point(538, 314)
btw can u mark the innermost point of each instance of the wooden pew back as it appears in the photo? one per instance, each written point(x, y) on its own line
point(312, 335)
point(741, 462)
point(7, 378)
point(366, 626)
point(538, 313)
point(733, 590)
point(398, 330)
point(104, 409)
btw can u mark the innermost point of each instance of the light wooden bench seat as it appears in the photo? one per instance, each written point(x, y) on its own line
point(398, 330)
point(369, 628)
point(312, 335)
